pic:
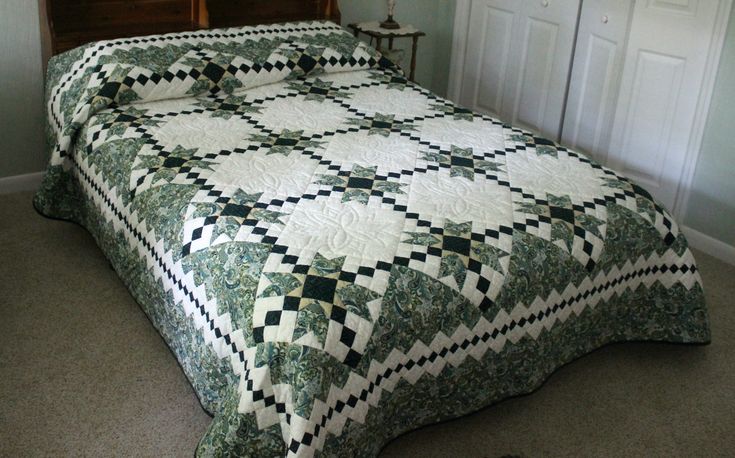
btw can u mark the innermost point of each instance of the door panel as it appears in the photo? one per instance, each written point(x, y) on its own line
point(537, 65)
point(542, 52)
point(651, 113)
point(595, 78)
point(498, 25)
point(492, 25)
point(665, 64)
point(517, 61)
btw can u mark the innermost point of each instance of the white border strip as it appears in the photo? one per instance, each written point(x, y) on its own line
point(18, 183)
point(709, 245)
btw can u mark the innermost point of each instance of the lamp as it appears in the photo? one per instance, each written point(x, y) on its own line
point(390, 23)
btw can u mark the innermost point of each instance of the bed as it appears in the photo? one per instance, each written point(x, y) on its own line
point(336, 255)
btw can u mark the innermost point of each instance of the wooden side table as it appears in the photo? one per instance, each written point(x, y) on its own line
point(373, 30)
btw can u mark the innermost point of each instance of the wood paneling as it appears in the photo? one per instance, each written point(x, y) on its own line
point(72, 23)
point(76, 22)
point(228, 13)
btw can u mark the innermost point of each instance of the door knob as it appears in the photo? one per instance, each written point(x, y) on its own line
point(544, 3)
point(604, 19)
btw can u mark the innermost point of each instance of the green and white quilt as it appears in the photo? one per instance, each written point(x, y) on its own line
point(336, 255)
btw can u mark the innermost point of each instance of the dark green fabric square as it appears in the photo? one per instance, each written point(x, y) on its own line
point(320, 288)
point(282, 141)
point(174, 162)
point(565, 214)
point(456, 244)
point(360, 183)
point(307, 63)
point(125, 118)
point(458, 161)
point(213, 72)
point(239, 211)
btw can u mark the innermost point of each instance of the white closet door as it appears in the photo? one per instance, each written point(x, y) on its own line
point(595, 79)
point(664, 69)
point(543, 51)
point(485, 77)
point(518, 59)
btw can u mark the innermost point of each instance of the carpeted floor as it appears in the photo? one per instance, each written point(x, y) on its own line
point(83, 373)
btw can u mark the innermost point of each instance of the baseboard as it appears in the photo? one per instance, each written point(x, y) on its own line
point(709, 245)
point(18, 183)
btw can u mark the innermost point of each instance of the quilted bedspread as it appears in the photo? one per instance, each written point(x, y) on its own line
point(336, 255)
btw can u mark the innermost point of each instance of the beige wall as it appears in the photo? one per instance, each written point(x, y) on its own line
point(22, 146)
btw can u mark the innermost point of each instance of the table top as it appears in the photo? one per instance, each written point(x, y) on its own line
point(373, 28)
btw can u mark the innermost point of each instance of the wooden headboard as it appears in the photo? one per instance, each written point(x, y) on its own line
point(70, 23)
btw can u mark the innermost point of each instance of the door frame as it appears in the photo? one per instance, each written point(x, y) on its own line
point(684, 187)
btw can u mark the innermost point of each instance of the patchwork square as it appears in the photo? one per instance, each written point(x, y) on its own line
point(577, 228)
point(363, 185)
point(216, 217)
point(319, 288)
point(461, 255)
point(320, 304)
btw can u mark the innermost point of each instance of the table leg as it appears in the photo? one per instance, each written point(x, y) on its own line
point(413, 59)
point(390, 43)
point(377, 43)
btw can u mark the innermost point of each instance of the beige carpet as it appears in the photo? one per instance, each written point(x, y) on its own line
point(83, 372)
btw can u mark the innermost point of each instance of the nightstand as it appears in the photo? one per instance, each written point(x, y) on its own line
point(373, 30)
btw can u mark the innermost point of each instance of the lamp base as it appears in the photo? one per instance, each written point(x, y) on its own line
point(390, 24)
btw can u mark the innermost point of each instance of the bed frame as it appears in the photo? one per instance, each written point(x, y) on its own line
point(71, 23)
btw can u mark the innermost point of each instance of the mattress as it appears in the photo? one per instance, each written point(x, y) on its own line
point(336, 255)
